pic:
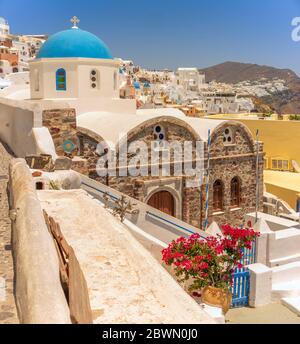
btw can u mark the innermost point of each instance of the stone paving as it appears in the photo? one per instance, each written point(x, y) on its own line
point(274, 313)
point(8, 312)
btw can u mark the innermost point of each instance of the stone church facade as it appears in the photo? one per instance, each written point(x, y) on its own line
point(232, 177)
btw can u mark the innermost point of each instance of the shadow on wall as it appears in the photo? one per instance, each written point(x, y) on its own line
point(16, 129)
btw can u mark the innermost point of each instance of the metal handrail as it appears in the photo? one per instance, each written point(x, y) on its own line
point(101, 191)
point(147, 212)
point(173, 223)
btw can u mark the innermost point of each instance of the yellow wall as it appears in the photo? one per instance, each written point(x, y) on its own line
point(288, 196)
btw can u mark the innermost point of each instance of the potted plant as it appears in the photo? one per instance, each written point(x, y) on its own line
point(208, 263)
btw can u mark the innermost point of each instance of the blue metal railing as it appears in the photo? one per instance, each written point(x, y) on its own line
point(173, 223)
point(147, 212)
point(101, 191)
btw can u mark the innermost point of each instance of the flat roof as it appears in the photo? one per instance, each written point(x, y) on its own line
point(275, 219)
point(285, 180)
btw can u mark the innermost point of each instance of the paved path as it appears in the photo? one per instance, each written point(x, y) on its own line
point(8, 312)
point(126, 285)
point(271, 314)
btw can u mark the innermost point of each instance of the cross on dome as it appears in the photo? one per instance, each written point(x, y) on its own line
point(75, 20)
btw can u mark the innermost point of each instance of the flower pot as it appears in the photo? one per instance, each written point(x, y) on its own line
point(217, 297)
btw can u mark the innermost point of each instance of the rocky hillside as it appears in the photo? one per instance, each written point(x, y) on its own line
point(287, 101)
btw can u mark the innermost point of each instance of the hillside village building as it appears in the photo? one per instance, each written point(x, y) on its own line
point(190, 79)
point(73, 101)
point(15, 50)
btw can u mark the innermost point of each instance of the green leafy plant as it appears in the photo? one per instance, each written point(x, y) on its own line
point(54, 185)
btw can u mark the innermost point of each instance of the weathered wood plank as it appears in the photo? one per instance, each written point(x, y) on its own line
point(79, 302)
point(71, 275)
point(63, 242)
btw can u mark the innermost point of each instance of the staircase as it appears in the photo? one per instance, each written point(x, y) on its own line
point(8, 312)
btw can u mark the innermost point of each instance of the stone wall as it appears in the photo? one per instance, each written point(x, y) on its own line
point(226, 169)
point(39, 295)
point(88, 151)
point(192, 206)
point(237, 159)
point(62, 126)
point(8, 310)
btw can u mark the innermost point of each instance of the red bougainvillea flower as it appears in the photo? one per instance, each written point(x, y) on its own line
point(187, 265)
point(211, 261)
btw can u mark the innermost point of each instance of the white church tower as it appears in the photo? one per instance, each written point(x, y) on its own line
point(74, 64)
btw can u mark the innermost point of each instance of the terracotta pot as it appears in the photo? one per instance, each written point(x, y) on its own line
point(217, 297)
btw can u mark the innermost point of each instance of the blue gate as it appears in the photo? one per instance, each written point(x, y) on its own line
point(241, 288)
point(241, 279)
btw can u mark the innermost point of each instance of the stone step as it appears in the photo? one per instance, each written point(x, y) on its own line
point(284, 260)
point(292, 303)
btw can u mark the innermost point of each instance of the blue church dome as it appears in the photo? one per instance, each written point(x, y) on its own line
point(74, 43)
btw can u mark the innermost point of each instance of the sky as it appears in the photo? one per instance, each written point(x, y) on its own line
point(161, 34)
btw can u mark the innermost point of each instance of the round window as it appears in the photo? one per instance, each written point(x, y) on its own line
point(94, 85)
point(159, 133)
point(158, 129)
point(93, 72)
point(228, 136)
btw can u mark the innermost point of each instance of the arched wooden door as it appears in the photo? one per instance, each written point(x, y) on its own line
point(164, 202)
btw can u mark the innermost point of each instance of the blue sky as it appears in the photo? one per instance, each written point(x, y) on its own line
point(172, 33)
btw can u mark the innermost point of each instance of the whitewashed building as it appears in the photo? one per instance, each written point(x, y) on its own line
point(190, 79)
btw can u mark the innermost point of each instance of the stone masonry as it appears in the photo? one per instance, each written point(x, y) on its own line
point(62, 126)
point(8, 312)
point(234, 160)
point(230, 159)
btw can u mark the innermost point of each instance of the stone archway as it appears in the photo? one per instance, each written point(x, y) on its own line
point(163, 201)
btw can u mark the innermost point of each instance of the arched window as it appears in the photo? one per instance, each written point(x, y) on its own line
point(61, 80)
point(218, 195)
point(95, 79)
point(1, 70)
point(235, 192)
point(115, 81)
